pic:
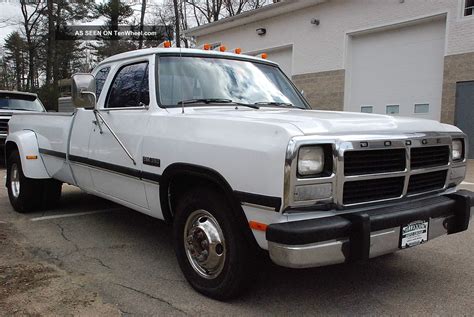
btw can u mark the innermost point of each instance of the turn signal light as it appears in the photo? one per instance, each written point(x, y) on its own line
point(264, 56)
point(31, 157)
point(238, 51)
point(258, 226)
point(206, 47)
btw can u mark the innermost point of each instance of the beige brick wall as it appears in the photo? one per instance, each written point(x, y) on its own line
point(323, 90)
point(459, 67)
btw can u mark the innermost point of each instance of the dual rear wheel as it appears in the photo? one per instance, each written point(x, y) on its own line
point(28, 194)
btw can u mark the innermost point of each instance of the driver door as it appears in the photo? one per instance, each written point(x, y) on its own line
point(125, 110)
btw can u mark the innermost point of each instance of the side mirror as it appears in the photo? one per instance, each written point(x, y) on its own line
point(83, 90)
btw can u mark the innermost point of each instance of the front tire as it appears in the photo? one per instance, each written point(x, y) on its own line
point(210, 245)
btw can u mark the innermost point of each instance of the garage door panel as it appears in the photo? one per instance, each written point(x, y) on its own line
point(402, 66)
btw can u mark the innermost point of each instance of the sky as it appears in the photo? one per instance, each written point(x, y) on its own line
point(10, 10)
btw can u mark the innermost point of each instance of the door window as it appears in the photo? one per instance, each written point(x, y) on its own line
point(129, 87)
point(100, 78)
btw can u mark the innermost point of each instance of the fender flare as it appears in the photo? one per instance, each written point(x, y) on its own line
point(211, 176)
point(27, 144)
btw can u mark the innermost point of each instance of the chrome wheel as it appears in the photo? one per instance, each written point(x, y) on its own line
point(204, 244)
point(15, 180)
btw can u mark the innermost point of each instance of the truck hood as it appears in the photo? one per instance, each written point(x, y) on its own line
point(328, 122)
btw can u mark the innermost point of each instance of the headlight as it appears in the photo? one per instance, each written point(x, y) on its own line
point(310, 160)
point(457, 150)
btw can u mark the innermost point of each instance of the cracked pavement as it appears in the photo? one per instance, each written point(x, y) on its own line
point(124, 262)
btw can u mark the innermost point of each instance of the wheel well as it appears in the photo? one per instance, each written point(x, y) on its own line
point(9, 148)
point(179, 178)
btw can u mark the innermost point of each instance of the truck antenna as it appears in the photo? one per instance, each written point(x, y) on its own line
point(182, 75)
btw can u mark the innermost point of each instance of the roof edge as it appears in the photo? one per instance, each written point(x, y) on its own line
point(264, 12)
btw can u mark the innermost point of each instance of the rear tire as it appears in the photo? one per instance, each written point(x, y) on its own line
point(212, 251)
point(28, 194)
point(24, 193)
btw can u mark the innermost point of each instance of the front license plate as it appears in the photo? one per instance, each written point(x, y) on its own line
point(413, 234)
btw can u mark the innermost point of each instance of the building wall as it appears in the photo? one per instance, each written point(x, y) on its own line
point(323, 47)
point(320, 53)
point(323, 90)
point(457, 68)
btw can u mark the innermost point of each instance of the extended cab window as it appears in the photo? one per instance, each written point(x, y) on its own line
point(129, 87)
point(100, 78)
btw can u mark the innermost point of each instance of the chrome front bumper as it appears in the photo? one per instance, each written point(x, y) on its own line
point(352, 237)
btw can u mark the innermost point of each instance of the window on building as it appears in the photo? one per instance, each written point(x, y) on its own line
point(422, 108)
point(468, 8)
point(367, 109)
point(130, 87)
point(100, 78)
point(393, 109)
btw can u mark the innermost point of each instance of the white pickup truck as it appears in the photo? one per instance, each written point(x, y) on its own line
point(226, 149)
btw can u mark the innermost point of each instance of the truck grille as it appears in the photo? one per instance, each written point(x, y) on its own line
point(422, 157)
point(373, 189)
point(374, 161)
point(426, 182)
point(4, 126)
point(405, 181)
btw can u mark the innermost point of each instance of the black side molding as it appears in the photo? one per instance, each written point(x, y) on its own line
point(53, 153)
point(267, 201)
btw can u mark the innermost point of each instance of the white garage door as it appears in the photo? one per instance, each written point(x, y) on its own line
point(284, 57)
point(399, 71)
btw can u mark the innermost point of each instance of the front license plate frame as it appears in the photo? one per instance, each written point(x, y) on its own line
point(414, 233)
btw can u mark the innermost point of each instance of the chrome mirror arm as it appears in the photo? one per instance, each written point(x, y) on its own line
point(99, 116)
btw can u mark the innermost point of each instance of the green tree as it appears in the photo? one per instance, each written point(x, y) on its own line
point(15, 53)
point(116, 14)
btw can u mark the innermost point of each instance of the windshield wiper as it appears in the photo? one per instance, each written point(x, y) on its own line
point(204, 100)
point(217, 100)
point(274, 103)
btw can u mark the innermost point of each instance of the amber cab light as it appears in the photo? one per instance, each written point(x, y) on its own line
point(238, 51)
point(206, 47)
point(264, 56)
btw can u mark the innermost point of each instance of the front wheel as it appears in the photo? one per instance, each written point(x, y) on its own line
point(210, 246)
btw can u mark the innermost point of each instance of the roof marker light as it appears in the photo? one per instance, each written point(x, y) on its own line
point(264, 56)
point(165, 44)
point(206, 47)
point(238, 50)
point(222, 48)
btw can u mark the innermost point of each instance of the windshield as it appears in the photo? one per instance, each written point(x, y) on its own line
point(20, 102)
point(209, 78)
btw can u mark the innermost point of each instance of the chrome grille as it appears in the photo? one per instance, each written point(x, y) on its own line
point(374, 161)
point(373, 172)
point(423, 157)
